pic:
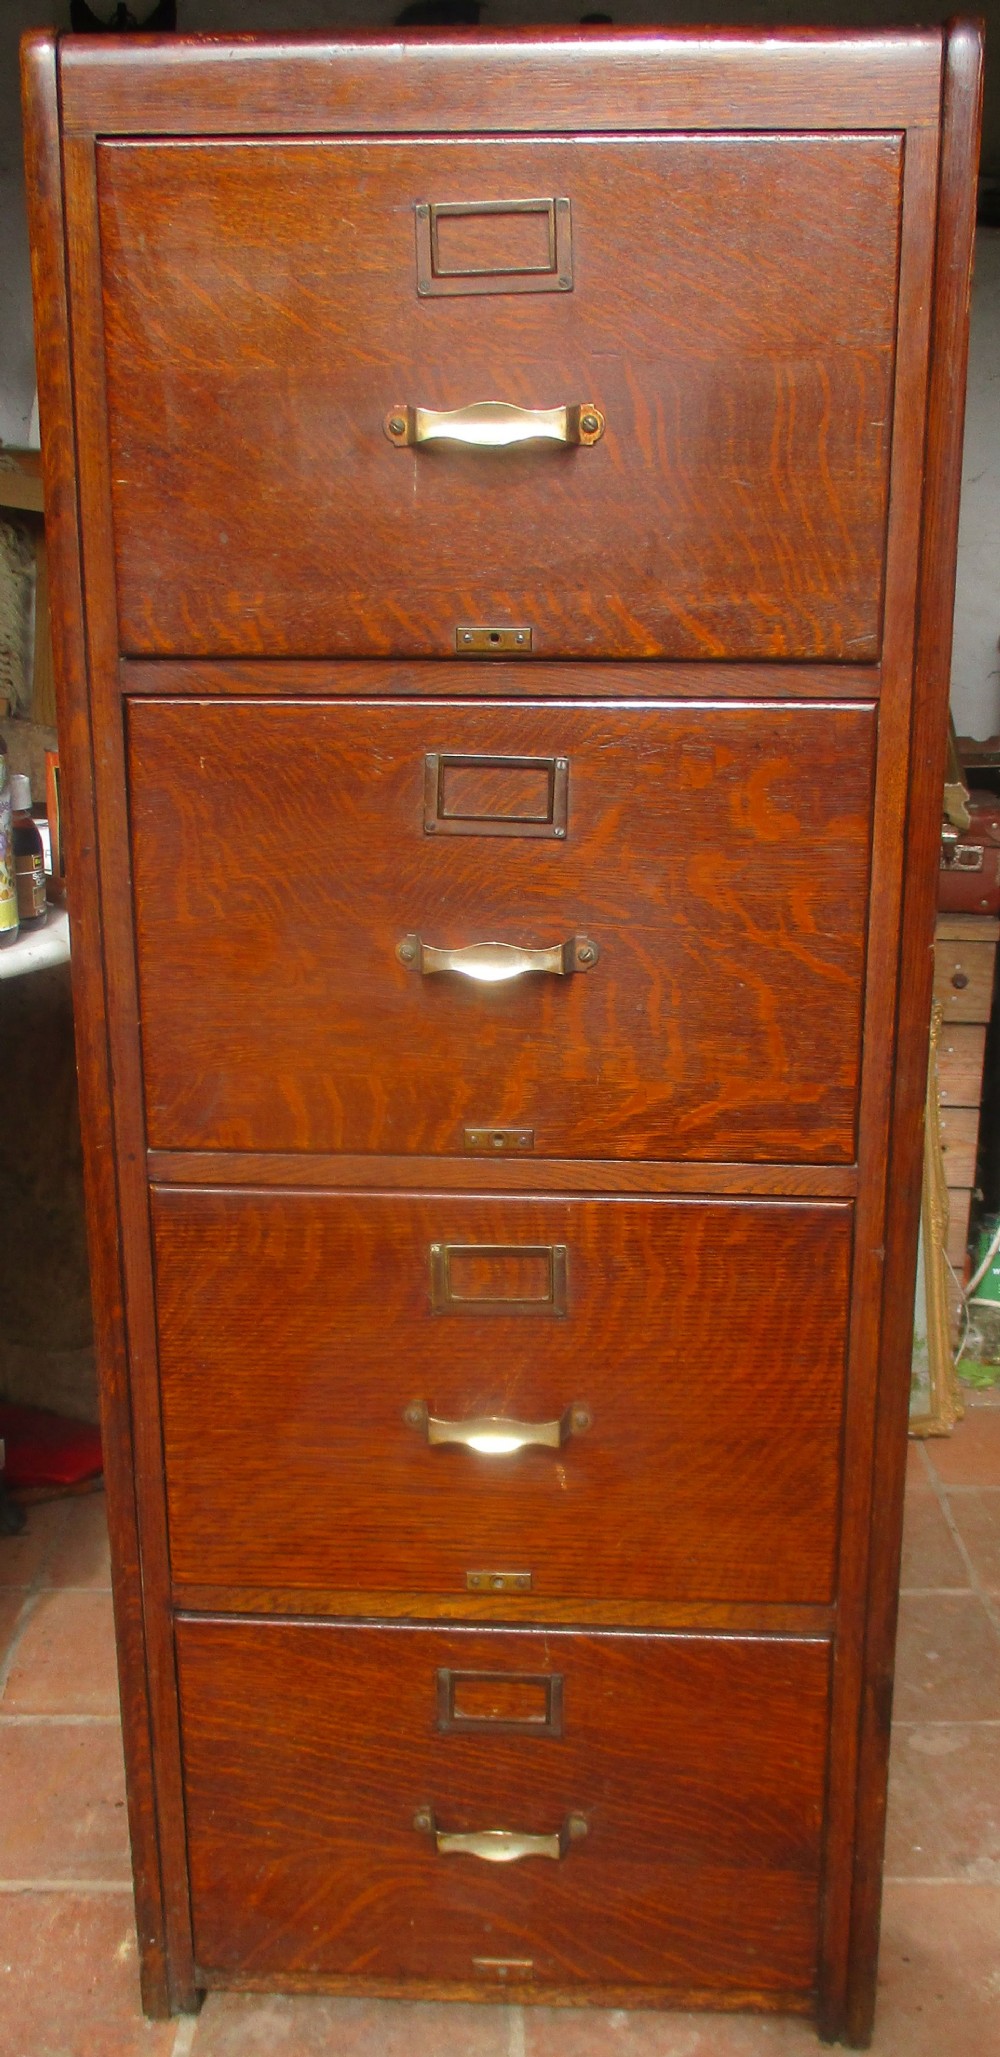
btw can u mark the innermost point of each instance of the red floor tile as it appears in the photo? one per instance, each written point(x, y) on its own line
point(947, 1660)
point(598, 2032)
point(63, 1813)
point(939, 1980)
point(80, 1555)
point(931, 1556)
point(944, 1804)
point(11, 1602)
point(65, 1660)
point(22, 1557)
point(252, 2025)
point(976, 1515)
point(68, 1981)
point(971, 1457)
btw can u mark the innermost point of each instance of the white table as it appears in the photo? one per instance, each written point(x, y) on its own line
point(38, 948)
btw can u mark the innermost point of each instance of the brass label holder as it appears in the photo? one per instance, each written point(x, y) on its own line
point(549, 804)
point(543, 1689)
point(445, 1300)
point(550, 272)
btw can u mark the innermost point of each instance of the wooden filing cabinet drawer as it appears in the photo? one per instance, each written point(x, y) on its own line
point(322, 1762)
point(735, 504)
point(298, 1428)
point(712, 859)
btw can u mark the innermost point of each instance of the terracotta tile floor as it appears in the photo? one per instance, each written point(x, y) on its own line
point(68, 1983)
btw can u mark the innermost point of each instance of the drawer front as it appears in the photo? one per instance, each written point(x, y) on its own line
point(320, 1770)
point(680, 1418)
point(292, 861)
point(726, 303)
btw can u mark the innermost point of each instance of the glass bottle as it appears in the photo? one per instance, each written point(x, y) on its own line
point(29, 856)
point(8, 885)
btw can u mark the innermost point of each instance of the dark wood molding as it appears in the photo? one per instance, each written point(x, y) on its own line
point(55, 393)
point(516, 82)
point(962, 92)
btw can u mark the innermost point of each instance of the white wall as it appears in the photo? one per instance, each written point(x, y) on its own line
point(17, 364)
point(975, 671)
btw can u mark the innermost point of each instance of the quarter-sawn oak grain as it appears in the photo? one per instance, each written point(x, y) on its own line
point(288, 1458)
point(697, 1764)
point(764, 545)
point(718, 856)
point(262, 320)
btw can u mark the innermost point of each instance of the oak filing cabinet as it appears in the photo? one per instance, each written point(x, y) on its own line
point(503, 495)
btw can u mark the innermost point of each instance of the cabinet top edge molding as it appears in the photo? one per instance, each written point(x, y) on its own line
point(519, 81)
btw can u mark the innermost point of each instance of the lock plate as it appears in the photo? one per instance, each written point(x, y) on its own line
point(498, 1581)
point(499, 1142)
point(493, 642)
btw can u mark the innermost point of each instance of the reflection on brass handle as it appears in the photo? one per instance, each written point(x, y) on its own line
point(494, 1437)
point(492, 964)
point(501, 1845)
point(495, 425)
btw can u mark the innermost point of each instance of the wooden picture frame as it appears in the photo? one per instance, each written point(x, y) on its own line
point(935, 1395)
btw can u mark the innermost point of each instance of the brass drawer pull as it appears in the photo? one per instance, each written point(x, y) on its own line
point(495, 425)
point(492, 1436)
point(501, 1845)
point(492, 964)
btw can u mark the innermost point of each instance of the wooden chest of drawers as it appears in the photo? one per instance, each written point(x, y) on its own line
point(502, 496)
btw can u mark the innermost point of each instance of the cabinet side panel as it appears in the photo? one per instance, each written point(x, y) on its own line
point(949, 349)
point(41, 132)
point(112, 859)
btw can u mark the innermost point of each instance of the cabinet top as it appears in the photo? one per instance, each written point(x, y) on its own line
point(507, 81)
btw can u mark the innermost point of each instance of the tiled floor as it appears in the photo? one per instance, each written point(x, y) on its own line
point(67, 1945)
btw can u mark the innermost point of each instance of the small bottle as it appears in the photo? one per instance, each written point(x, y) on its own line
point(29, 856)
point(8, 883)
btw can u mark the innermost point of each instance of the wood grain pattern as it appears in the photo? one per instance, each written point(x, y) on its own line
point(288, 1458)
point(959, 1136)
point(542, 79)
point(497, 679)
point(753, 1617)
point(511, 1991)
point(713, 1060)
point(888, 859)
point(263, 317)
point(942, 484)
point(55, 394)
point(963, 978)
point(471, 1174)
point(109, 853)
point(960, 1064)
point(681, 1753)
point(718, 857)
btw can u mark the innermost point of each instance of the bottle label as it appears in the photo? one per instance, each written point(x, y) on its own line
point(30, 872)
point(8, 885)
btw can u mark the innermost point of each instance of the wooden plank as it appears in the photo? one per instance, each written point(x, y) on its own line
point(93, 1060)
point(963, 979)
point(108, 854)
point(270, 678)
point(470, 1174)
point(549, 80)
point(959, 1134)
point(875, 1189)
point(960, 1064)
point(967, 928)
point(21, 480)
point(959, 1208)
point(942, 486)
